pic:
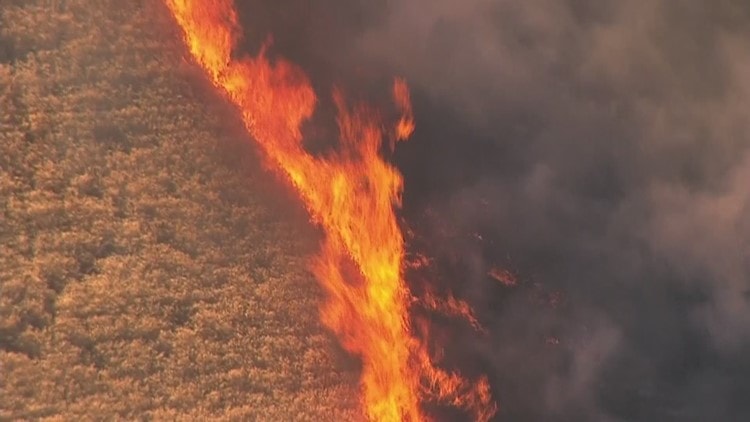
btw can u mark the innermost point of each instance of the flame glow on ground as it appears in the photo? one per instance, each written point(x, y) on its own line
point(352, 194)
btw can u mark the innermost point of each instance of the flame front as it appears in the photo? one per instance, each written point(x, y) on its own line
point(352, 194)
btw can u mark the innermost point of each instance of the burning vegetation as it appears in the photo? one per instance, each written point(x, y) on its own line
point(352, 194)
point(575, 192)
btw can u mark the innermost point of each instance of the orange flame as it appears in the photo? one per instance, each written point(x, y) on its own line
point(351, 193)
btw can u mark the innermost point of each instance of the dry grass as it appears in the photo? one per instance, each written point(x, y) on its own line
point(149, 269)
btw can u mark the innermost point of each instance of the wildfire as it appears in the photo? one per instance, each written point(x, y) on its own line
point(352, 194)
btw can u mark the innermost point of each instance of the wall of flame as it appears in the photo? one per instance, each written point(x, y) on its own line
point(353, 194)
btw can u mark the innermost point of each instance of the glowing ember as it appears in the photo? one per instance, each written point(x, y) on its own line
point(503, 276)
point(351, 193)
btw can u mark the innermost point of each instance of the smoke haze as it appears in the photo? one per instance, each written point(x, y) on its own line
point(599, 150)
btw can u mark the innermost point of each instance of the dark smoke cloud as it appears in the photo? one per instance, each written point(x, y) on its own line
point(598, 148)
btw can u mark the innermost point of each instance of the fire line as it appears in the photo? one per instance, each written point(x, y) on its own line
point(353, 195)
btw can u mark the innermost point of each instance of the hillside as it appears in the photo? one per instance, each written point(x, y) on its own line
point(149, 266)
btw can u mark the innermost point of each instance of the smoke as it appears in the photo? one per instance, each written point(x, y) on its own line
point(600, 150)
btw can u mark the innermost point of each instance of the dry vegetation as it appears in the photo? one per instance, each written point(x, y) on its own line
point(148, 268)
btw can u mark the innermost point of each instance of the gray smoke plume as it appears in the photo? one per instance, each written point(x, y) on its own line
point(600, 150)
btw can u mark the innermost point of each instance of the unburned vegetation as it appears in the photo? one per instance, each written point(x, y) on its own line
point(149, 266)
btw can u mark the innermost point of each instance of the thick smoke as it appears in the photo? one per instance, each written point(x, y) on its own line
point(601, 150)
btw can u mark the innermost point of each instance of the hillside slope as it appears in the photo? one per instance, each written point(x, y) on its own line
point(149, 267)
